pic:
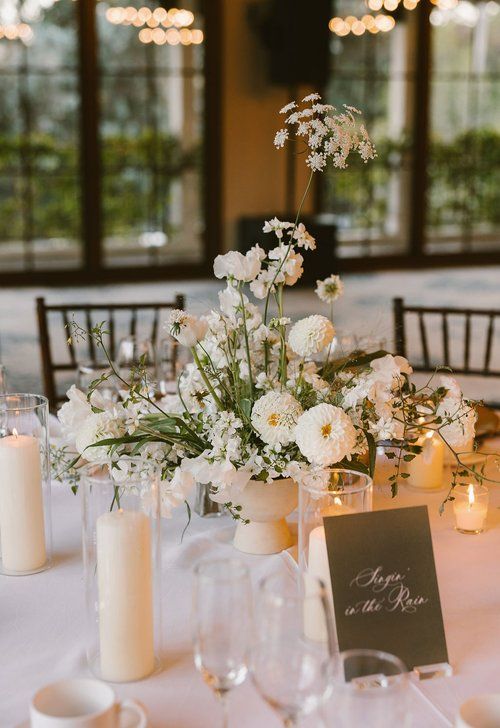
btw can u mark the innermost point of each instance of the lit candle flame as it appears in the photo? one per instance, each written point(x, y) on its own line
point(337, 501)
point(14, 432)
point(429, 434)
point(470, 493)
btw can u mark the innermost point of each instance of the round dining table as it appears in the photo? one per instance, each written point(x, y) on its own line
point(42, 619)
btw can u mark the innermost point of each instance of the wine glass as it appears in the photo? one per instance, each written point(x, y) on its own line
point(88, 372)
point(170, 360)
point(222, 625)
point(291, 667)
point(135, 355)
point(370, 689)
point(3, 380)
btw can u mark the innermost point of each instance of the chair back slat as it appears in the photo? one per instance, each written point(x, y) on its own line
point(446, 339)
point(133, 322)
point(154, 327)
point(52, 366)
point(111, 329)
point(475, 353)
point(423, 338)
point(90, 339)
point(467, 341)
point(71, 345)
point(489, 342)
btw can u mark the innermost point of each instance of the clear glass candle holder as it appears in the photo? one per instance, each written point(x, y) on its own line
point(470, 508)
point(25, 514)
point(342, 492)
point(122, 571)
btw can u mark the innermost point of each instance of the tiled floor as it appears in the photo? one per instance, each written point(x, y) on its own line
point(364, 310)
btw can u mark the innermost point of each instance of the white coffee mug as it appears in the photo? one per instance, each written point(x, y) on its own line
point(482, 711)
point(81, 703)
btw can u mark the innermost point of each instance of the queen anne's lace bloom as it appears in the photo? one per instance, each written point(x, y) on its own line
point(325, 435)
point(311, 335)
point(274, 416)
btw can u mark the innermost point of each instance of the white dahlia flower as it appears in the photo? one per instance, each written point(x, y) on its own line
point(187, 329)
point(311, 335)
point(329, 289)
point(325, 435)
point(275, 416)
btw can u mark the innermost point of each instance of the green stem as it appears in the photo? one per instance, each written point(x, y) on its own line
point(247, 345)
point(289, 244)
point(212, 391)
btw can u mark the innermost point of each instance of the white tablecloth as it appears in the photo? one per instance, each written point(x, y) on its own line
point(42, 622)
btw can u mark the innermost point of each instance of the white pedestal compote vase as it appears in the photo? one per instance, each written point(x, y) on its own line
point(266, 506)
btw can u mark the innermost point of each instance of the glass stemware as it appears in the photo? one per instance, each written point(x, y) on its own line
point(134, 355)
point(222, 625)
point(370, 689)
point(3, 380)
point(291, 671)
point(170, 360)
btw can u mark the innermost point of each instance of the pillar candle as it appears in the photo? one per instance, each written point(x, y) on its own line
point(124, 574)
point(426, 469)
point(22, 530)
point(318, 566)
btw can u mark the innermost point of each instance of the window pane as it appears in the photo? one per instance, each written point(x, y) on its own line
point(152, 133)
point(373, 72)
point(464, 163)
point(39, 165)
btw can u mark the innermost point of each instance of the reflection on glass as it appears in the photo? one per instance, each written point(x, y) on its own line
point(151, 128)
point(39, 164)
point(464, 194)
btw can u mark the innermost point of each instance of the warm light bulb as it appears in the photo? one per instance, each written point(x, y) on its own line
point(173, 36)
point(145, 35)
point(197, 37)
point(350, 20)
point(358, 28)
point(185, 36)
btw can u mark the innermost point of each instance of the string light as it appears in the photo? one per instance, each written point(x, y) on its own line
point(356, 26)
point(151, 22)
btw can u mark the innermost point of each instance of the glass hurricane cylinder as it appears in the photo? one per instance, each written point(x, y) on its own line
point(122, 569)
point(343, 492)
point(25, 517)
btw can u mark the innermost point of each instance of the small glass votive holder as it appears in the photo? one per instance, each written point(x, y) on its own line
point(470, 508)
point(25, 508)
point(340, 492)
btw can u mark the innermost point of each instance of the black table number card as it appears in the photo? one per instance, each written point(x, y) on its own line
point(384, 582)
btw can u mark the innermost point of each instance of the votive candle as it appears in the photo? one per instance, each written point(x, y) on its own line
point(470, 508)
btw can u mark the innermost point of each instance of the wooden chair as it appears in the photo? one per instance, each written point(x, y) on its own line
point(122, 319)
point(473, 351)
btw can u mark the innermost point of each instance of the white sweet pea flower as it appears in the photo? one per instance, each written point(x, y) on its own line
point(187, 329)
point(238, 266)
point(276, 226)
point(73, 413)
point(303, 238)
point(311, 335)
point(325, 435)
point(329, 289)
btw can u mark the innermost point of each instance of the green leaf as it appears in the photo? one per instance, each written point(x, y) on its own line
point(372, 451)
point(246, 407)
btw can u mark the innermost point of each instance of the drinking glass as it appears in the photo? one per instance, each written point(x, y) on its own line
point(170, 360)
point(222, 625)
point(3, 380)
point(133, 355)
point(292, 671)
point(370, 689)
point(88, 372)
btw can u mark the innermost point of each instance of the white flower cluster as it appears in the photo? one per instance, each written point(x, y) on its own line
point(328, 134)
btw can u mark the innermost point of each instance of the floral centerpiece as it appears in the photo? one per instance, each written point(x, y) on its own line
point(265, 402)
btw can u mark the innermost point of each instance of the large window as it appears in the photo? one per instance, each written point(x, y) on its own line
point(429, 86)
point(103, 138)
